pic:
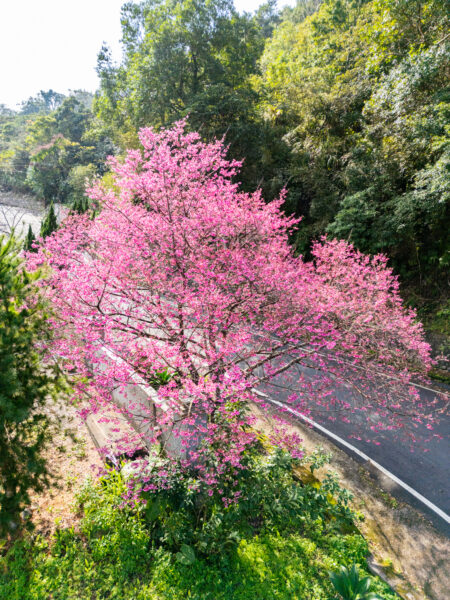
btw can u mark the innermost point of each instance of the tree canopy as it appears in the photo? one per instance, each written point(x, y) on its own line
point(343, 102)
point(361, 89)
point(42, 151)
point(183, 282)
point(187, 57)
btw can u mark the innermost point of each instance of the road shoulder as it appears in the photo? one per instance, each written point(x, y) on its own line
point(407, 550)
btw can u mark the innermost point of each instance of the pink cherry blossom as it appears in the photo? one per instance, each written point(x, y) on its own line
point(180, 271)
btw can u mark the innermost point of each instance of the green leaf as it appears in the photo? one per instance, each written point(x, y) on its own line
point(186, 556)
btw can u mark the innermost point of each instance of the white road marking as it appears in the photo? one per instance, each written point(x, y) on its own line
point(398, 481)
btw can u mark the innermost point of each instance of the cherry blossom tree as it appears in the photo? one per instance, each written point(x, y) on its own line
point(182, 282)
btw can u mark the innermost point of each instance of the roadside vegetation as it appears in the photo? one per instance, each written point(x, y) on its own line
point(281, 541)
point(25, 384)
point(190, 285)
point(181, 279)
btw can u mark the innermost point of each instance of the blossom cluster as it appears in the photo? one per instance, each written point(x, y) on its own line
point(180, 272)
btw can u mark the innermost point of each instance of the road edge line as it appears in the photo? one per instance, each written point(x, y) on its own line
point(367, 458)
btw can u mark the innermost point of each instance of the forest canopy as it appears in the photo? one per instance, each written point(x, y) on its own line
point(345, 103)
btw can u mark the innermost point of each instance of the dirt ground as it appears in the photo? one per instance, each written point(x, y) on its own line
point(407, 551)
point(72, 458)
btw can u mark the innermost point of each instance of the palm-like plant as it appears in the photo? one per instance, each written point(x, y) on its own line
point(350, 586)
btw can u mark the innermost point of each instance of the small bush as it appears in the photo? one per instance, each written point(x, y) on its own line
point(262, 496)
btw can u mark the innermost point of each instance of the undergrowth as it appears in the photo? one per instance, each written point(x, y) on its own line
point(279, 542)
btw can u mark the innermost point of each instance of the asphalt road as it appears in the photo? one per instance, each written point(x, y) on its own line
point(427, 472)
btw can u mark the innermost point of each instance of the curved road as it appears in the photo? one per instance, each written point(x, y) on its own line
point(427, 472)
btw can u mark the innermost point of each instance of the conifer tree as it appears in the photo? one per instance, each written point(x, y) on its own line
point(50, 222)
point(30, 239)
point(25, 383)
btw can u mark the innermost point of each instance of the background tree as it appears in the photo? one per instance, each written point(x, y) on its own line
point(49, 223)
point(359, 92)
point(49, 169)
point(5, 111)
point(30, 239)
point(25, 385)
point(14, 156)
point(38, 151)
point(187, 57)
point(398, 178)
point(45, 102)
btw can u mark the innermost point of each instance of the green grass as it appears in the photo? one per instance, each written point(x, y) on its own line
point(268, 567)
point(118, 553)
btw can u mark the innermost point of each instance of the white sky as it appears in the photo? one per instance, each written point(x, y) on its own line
point(54, 43)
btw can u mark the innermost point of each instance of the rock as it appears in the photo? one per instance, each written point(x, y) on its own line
point(26, 514)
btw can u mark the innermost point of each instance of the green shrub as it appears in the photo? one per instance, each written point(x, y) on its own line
point(351, 586)
point(269, 499)
point(278, 543)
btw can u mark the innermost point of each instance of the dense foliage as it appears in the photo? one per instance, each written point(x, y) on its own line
point(281, 543)
point(24, 386)
point(361, 90)
point(190, 57)
point(50, 147)
point(344, 102)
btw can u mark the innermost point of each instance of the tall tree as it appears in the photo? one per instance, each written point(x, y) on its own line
point(187, 57)
point(25, 384)
point(181, 272)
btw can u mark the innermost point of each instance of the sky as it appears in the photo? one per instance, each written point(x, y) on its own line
point(53, 44)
